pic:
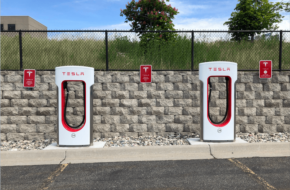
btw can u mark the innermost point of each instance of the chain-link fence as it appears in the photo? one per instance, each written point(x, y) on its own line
point(127, 50)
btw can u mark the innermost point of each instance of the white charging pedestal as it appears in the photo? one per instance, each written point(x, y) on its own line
point(225, 130)
point(67, 134)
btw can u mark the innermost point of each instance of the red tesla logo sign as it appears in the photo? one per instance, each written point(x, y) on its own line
point(219, 69)
point(146, 73)
point(29, 78)
point(73, 73)
point(265, 69)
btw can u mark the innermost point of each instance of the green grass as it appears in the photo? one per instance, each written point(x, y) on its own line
point(42, 54)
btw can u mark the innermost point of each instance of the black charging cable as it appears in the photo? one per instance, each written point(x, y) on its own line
point(227, 102)
point(65, 87)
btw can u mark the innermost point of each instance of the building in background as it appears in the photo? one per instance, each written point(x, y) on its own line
point(12, 23)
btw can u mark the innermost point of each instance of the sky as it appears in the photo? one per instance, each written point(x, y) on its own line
point(105, 14)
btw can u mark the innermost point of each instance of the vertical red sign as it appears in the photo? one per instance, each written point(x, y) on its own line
point(29, 78)
point(146, 73)
point(265, 69)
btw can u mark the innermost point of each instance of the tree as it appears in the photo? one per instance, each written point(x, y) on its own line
point(287, 6)
point(150, 15)
point(254, 15)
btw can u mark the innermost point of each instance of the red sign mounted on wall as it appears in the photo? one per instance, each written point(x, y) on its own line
point(265, 69)
point(29, 78)
point(146, 73)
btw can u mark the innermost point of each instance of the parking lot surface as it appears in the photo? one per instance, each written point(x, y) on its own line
point(244, 173)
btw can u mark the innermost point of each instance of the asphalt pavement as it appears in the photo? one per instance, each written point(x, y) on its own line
point(232, 173)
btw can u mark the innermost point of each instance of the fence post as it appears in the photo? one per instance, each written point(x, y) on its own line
point(20, 50)
point(192, 49)
point(107, 59)
point(280, 52)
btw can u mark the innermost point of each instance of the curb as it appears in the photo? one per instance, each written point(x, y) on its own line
point(181, 152)
point(250, 150)
point(35, 157)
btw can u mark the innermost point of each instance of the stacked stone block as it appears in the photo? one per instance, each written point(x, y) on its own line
point(124, 106)
point(25, 114)
point(130, 108)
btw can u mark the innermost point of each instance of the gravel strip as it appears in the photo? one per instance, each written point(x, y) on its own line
point(24, 145)
point(264, 137)
point(144, 141)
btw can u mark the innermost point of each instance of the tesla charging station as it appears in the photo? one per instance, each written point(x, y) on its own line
point(82, 133)
point(223, 130)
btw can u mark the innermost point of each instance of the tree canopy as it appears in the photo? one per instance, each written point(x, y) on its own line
point(254, 15)
point(287, 6)
point(150, 15)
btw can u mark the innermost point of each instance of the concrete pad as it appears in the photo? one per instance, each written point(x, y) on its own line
point(33, 157)
point(179, 152)
point(243, 150)
point(54, 146)
point(196, 141)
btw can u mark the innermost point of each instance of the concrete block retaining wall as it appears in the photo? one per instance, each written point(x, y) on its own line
point(124, 106)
